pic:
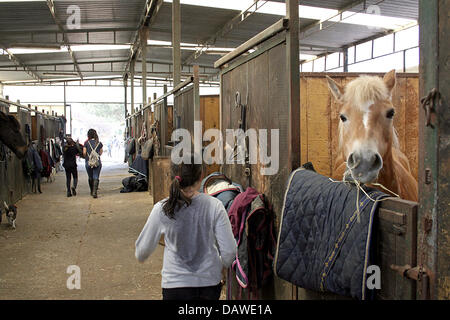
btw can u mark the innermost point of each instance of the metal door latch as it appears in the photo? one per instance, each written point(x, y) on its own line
point(416, 274)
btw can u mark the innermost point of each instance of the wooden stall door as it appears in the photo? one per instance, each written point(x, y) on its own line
point(25, 120)
point(160, 178)
point(184, 104)
point(210, 117)
point(396, 246)
point(264, 79)
point(4, 190)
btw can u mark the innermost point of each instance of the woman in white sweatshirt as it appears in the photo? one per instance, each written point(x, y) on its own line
point(198, 238)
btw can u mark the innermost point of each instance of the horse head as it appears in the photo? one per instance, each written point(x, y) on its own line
point(10, 135)
point(366, 131)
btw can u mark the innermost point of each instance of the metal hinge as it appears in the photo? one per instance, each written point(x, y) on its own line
point(429, 105)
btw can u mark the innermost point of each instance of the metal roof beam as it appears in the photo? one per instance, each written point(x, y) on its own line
point(68, 63)
point(225, 29)
point(151, 9)
point(51, 6)
point(30, 32)
point(22, 65)
point(64, 72)
point(34, 66)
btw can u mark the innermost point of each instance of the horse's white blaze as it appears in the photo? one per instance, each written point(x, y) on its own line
point(366, 110)
point(366, 119)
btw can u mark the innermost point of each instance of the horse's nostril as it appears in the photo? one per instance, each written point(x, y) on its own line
point(353, 161)
point(350, 160)
point(377, 162)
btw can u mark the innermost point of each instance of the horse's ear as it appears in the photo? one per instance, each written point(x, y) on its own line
point(389, 80)
point(335, 88)
point(14, 122)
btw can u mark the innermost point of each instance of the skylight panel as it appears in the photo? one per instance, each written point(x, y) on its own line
point(98, 47)
point(307, 12)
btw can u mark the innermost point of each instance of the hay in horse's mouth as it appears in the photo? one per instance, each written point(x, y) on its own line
point(349, 177)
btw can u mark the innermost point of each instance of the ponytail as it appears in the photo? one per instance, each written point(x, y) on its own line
point(184, 175)
point(176, 199)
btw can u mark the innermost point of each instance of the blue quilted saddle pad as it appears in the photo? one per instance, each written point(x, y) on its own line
point(322, 243)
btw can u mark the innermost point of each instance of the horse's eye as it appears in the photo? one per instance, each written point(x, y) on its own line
point(343, 118)
point(390, 114)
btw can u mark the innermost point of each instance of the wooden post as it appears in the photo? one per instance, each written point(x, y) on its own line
point(345, 66)
point(434, 147)
point(293, 73)
point(125, 87)
point(176, 39)
point(65, 102)
point(70, 113)
point(163, 111)
point(196, 93)
point(144, 36)
point(132, 85)
point(176, 51)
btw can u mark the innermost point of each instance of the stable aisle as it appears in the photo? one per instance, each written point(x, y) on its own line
point(98, 235)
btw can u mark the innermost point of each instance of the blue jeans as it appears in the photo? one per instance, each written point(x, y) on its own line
point(93, 173)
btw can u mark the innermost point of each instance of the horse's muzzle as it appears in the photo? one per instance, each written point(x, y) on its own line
point(363, 166)
point(21, 151)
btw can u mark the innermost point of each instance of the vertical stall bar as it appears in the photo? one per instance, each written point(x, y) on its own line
point(293, 72)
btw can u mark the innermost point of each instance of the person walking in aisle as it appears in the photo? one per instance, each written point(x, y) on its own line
point(198, 238)
point(92, 151)
point(71, 150)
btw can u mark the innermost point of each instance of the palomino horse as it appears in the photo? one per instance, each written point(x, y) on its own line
point(368, 144)
point(10, 135)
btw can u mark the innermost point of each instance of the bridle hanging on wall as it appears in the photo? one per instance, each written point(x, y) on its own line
point(244, 110)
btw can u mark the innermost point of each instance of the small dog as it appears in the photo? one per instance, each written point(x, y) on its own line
point(11, 214)
point(52, 176)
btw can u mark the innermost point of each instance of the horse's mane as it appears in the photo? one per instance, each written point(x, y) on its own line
point(365, 88)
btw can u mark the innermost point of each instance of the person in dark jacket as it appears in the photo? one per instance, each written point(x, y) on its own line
point(37, 169)
point(71, 150)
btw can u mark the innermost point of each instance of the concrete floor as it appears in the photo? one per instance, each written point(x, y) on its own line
point(54, 232)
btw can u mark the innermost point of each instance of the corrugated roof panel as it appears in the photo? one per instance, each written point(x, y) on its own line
point(408, 9)
point(250, 27)
point(32, 16)
point(103, 14)
point(119, 37)
point(198, 23)
point(15, 76)
point(338, 34)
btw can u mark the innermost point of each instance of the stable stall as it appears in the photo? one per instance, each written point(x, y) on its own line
point(188, 107)
point(35, 127)
point(265, 84)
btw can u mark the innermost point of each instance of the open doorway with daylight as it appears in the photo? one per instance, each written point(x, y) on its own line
point(107, 119)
